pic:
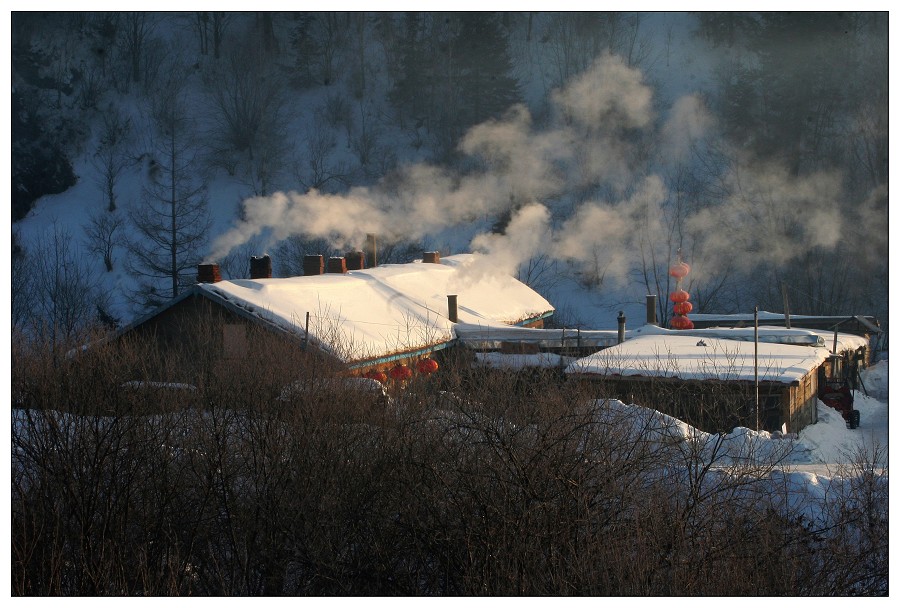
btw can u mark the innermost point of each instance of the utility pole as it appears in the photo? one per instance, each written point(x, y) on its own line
point(756, 360)
point(787, 311)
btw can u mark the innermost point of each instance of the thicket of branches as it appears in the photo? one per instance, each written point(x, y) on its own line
point(124, 485)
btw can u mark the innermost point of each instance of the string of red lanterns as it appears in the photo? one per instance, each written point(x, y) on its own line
point(680, 297)
point(402, 372)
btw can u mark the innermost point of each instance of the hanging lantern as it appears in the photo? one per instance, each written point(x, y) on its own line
point(427, 366)
point(378, 375)
point(683, 308)
point(401, 372)
point(681, 322)
point(679, 270)
point(679, 295)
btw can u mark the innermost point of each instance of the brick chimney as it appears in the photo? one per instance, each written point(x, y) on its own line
point(208, 273)
point(431, 257)
point(337, 265)
point(313, 265)
point(261, 267)
point(356, 260)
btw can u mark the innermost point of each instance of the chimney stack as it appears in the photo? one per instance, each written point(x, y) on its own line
point(261, 267)
point(651, 309)
point(356, 260)
point(313, 265)
point(431, 257)
point(621, 320)
point(452, 310)
point(208, 273)
point(337, 265)
point(371, 251)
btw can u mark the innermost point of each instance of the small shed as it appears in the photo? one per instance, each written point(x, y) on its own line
point(710, 382)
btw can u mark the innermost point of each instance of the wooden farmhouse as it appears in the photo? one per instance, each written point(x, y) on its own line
point(357, 319)
point(709, 378)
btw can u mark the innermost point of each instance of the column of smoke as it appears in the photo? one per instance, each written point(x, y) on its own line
point(603, 122)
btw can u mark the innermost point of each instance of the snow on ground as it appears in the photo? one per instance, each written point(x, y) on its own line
point(831, 442)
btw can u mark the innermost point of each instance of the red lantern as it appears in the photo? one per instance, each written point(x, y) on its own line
point(377, 375)
point(681, 322)
point(675, 322)
point(679, 270)
point(427, 366)
point(679, 295)
point(401, 372)
point(683, 308)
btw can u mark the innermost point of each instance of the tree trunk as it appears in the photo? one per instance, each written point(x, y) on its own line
point(173, 247)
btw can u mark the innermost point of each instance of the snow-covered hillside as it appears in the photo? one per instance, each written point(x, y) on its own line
point(579, 208)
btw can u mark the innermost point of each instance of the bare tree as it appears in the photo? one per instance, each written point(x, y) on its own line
point(248, 109)
point(331, 39)
point(112, 155)
point(172, 222)
point(65, 293)
point(210, 24)
point(21, 301)
point(104, 234)
point(316, 169)
point(137, 28)
point(220, 23)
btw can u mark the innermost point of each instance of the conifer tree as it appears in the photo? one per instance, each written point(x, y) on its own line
point(172, 222)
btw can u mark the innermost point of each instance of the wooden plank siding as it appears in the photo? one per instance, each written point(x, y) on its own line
point(196, 335)
point(713, 405)
point(799, 402)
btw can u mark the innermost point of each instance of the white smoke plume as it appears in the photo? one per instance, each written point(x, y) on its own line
point(688, 122)
point(607, 235)
point(770, 217)
point(521, 165)
point(526, 234)
point(597, 186)
point(607, 95)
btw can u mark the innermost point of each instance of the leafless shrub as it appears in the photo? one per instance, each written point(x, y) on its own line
point(469, 482)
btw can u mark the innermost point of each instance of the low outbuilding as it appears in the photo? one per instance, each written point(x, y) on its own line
point(710, 382)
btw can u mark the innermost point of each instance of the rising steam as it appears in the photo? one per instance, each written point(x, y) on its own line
point(603, 137)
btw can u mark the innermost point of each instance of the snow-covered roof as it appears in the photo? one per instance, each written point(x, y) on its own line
point(394, 308)
point(668, 354)
point(769, 334)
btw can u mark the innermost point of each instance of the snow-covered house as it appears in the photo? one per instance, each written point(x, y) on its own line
point(362, 319)
point(712, 381)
